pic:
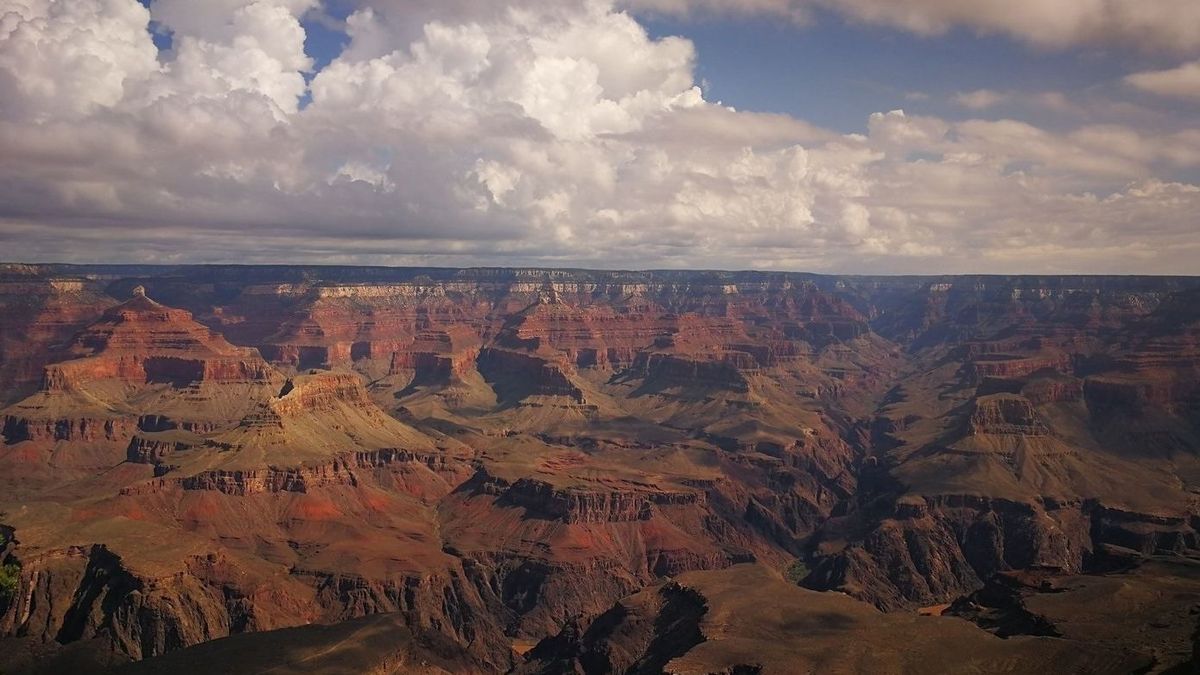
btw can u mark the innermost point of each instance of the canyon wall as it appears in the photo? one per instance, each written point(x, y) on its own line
point(501, 456)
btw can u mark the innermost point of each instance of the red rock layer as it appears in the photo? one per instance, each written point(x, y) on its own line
point(39, 316)
point(141, 341)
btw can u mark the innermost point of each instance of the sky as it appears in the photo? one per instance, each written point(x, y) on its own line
point(837, 136)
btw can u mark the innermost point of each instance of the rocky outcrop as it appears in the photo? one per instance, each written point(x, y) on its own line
point(134, 348)
point(306, 356)
point(150, 450)
point(1005, 414)
point(378, 644)
point(936, 549)
point(746, 621)
point(432, 366)
point(321, 392)
point(727, 371)
point(557, 552)
point(1043, 391)
point(154, 370)
point(1108, 395)
point(1146, 533)
point(155, 423)
point(39, 315)
point(587, 334)
point(543, 500)
point(340, 471)
point(82, 430)
point(87, 592)
point(637, 635)
point(898, 564)
point(141, 341)
point(527, 374)
point(999, 607)
point(450, 605)
point(1009, 366)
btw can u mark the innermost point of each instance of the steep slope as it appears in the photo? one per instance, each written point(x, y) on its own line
point(244, 502)
point(992, 456)
point(140, 358)
point(41, 314)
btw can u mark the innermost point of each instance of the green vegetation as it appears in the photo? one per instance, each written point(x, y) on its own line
point(9, 575)
point(795, 571)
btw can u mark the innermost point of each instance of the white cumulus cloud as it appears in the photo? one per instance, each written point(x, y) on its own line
point(1180, 82)
point(1155, 25)
point(545, 133)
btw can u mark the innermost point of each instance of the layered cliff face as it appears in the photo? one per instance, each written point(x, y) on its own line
point(1005, 414)
point(41, 315)
point(379, 644)
point(496, 457)
point(141, 341)
point(1024, 447)
point(139, 358)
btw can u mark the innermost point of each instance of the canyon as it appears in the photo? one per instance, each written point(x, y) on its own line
point(511, 470)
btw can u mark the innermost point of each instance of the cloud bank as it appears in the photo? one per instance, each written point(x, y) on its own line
point(544, 133)
point(1172, 25)
point(1180, 82)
